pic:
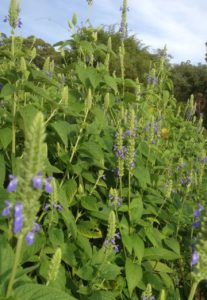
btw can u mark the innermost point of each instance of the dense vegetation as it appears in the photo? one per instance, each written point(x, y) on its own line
point(103, 173)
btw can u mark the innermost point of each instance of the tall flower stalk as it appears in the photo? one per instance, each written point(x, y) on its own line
point(27, 186)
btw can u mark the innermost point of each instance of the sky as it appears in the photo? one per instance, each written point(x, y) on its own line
point(178, 24)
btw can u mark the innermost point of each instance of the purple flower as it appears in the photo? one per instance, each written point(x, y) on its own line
point(152, 298)
point(50, 74)
point(57, 206)
point(36, 227)
point(154, 81)
point(48, 185)
point(116, 248)
point(18, 217)
point(12, 186)
point(6, 210)
point(5, 19)
point(37, 181)
point(198, 211)
point(118, 235)
point(196, 224)
point(46, 207)
point(19, 24)
point(195, 258)
point(31, 234)
point(30, 237)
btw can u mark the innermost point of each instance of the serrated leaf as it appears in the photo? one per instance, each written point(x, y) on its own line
point(41, 292)
point(143, 176)
point(173, 245)
point(138, 247)
point(89, 203)
point(111, 82)
point(89, 230)
point(133, 275)
point(136, 208)
point(5, 137)
point(160, 253)
point(62, 128)
point(7, 90)
point(56, 236)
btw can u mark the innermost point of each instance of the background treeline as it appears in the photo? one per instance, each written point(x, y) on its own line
point(187, 78)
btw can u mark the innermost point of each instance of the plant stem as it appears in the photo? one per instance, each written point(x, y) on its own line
point(79, 136)
point(129, 195)
point(14, 269)
point(193, 290)
point(12, 43)
point(14, 127)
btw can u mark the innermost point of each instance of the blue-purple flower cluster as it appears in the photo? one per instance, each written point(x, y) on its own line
point(39, 181)
point(152, 79)
point(18, 208)
point(15, 24)
point(112, 242)
point(149, 298)
point(121, 152)
point(55, 205)
point(197, 213)
point(115, 200)
point(185, 180)
point(196, 224)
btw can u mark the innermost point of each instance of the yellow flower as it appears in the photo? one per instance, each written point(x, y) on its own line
point(151, 109)
point(165, 133)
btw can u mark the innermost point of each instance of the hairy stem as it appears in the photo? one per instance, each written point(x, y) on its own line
point(14, 269)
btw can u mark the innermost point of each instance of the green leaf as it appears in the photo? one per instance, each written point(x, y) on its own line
point(173, 245)
point(102, 295)
point(62, 128)
point(41, 292)
point(111, 82)
point(7, 90)
point(69, 221)
point(91, 149)
point(133, 274)
point(29, 251)
point(84, 244)
point(160, 267)
point(136, 208)
point(89, 203)
point(138, 247)
point(160, 253)
point(129, 97)
point(89, 229)
point(56, 236)
point(5, 137)
point(6, 259)
point(110, 271)
point(127, 242)
point(71, 189)
point(143, 176)
point(31, 87)
point(68, 254)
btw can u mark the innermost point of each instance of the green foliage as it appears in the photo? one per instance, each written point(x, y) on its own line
point(128, 168)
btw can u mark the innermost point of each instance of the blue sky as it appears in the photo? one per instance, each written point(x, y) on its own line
point(179, 24)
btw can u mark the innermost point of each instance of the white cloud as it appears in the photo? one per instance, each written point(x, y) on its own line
point(180, 24)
